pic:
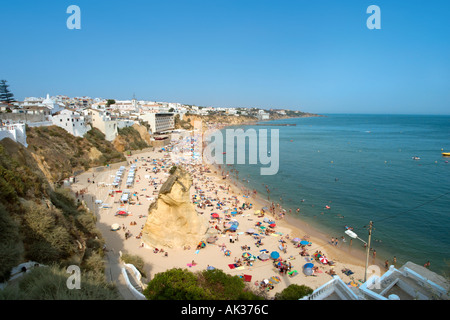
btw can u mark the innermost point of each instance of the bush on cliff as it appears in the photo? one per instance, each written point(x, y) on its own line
point(293, 292)
point(181, 284)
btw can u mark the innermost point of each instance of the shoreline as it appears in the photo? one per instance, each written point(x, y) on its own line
point(350, 253)
point(355, 256)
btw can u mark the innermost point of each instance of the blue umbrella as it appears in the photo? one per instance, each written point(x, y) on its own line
point(308, 265)
point(274, 255)
point(304, 242)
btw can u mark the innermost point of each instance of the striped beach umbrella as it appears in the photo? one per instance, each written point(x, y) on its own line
point(246, 255)
point(323, 259)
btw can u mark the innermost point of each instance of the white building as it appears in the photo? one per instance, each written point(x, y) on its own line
point(48, 102)
point(101, 120)
point(262, 115)
point(409, 282)
point(15, 132)
point(159, 122)
point(71, 121)
point(51, 105)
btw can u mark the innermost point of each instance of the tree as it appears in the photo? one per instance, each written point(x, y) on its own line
point(110, 102)
point(5, 94)
point(182, 284)
point(293, 292)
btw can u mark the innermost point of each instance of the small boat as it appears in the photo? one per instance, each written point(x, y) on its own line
point(415, 158)
point(446, 154)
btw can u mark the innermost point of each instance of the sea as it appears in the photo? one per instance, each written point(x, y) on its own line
point(344, 171)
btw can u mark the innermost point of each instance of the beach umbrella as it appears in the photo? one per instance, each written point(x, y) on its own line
point(202, 244)
point(215, 215)
point(115, 227)
point(227, 252)
point(323, 259)
point(263, 257)
point(246, 255)
point(210, 268)
point(296, 240)
point(273, 225)
point(250, 231)
point(122, 213)
point(274, 255)
point(308, 271)
point(308, 265)
point(266, 219)
point(211, 239)
point(304, 242)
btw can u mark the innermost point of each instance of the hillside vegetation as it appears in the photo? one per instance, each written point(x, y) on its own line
point(59, 154)
point(44, 223)
point(135, 137)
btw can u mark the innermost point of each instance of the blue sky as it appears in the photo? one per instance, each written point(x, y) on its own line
point(314, 56)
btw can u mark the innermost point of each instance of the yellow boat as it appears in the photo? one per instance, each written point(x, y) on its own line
point(446, 154)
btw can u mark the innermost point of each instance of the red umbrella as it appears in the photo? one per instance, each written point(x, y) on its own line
point(273, 225)
point(214, 215)
point(323, 259)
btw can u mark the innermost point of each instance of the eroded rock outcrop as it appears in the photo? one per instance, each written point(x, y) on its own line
point(172, 220)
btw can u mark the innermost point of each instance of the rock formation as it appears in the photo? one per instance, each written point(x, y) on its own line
point(172, 220)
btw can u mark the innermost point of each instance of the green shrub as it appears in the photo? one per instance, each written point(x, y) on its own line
point(181, 284)
point(175, 284)
point(50, 283)
point(294, 292)
point(135, 260)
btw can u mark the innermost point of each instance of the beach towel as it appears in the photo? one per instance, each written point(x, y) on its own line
point(247, 278)
point(293, 273)
point(196, 252)
point(347, 272)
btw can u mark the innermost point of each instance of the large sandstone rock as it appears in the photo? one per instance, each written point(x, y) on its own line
point(172, 220)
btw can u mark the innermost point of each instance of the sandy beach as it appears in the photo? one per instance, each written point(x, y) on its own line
point(208, 189)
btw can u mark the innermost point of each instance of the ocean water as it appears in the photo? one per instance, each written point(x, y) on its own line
point(361, 166)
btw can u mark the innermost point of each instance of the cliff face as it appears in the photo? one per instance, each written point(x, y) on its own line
point(135, 137)
point(172, 220)
point(59, 154)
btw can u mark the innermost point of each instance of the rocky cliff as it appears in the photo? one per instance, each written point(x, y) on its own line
point(172, 220)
